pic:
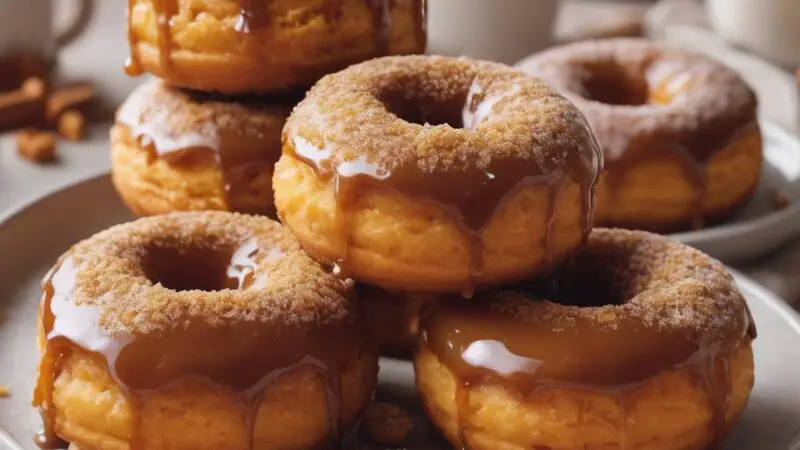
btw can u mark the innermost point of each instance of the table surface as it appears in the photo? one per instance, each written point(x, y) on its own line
point(98, 56)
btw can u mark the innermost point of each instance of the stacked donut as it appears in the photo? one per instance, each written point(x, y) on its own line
point(462, 189)
point(468, 188)
point(679, 130)
point(207, 135)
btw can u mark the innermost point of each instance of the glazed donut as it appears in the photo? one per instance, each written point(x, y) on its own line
point(678, 130)
point(651, 349)
point(392, 318)
point(245, 46)
point(199, 330)
point(434, 174)
point(178, 150)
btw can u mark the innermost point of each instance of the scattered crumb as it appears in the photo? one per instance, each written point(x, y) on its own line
point(72, 125)
point(34, 87)
point(780, 200)
point(386, 424)
point(4, 392)
point(37, 146)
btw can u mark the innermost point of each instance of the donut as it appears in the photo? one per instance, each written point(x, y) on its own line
point(678, 130)
point(392, 318)
point(179, 150)
point(638, 342)
point(199, 330)
point(246, 46)
point(436, 174)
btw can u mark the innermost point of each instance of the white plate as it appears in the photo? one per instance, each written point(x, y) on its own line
point(760, 227)
point(33, 236)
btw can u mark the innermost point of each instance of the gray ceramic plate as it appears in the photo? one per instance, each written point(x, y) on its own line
point(760, 227)
point(33, 236)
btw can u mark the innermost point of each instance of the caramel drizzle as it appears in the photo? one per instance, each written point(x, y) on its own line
point(482, 346)
point(421, 30)
point(253, 16)
point(381, 25)
point(133, 66)
point(68, 327)
point(471, 205)
point(240, 156)
point(693, 152)
point(164, 11)
point(694, 166)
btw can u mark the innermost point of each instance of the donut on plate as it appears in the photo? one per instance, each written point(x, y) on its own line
point(649, 346)
point(238, 46)
point(199, 330)
point(179, 150)
point(678, 130)
point(434, 174)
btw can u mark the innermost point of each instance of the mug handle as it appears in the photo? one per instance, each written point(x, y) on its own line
point(70, 33)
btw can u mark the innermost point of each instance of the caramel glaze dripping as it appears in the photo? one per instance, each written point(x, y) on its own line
point(133, 66)
point(253, 15)
point(381, 25)
point(693, 157)
point(381, 12)
point(481, 345)
point(262, 352)
point(692, 150)
point(421, 30)
point(164, 11)
point(470, 197)
point(241, 156)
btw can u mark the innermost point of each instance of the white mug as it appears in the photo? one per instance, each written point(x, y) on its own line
point(498, 30)
point(767, 27)
point(26, 26)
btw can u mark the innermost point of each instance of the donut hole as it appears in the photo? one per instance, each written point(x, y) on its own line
point(421, 109)
point(614, 84)
point(586, 291)
point(588, 281)
point(182, 268)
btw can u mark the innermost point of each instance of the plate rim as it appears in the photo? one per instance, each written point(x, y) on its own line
point(768, 221)
point(776, 303)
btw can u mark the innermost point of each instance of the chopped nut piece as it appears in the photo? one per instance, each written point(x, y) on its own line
point(72, 125)
point(35, 87)
point(4, 392)
point(386, 424)
point(37, 146)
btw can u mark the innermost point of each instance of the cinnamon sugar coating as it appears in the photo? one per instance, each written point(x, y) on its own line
point(350, 114)
point(178, 118)
point(287, 288)
point(648, 278)
point(694, 101)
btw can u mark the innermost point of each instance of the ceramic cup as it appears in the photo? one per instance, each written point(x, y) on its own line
point(26, 26)
point(498, 30)
point(766, 27)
